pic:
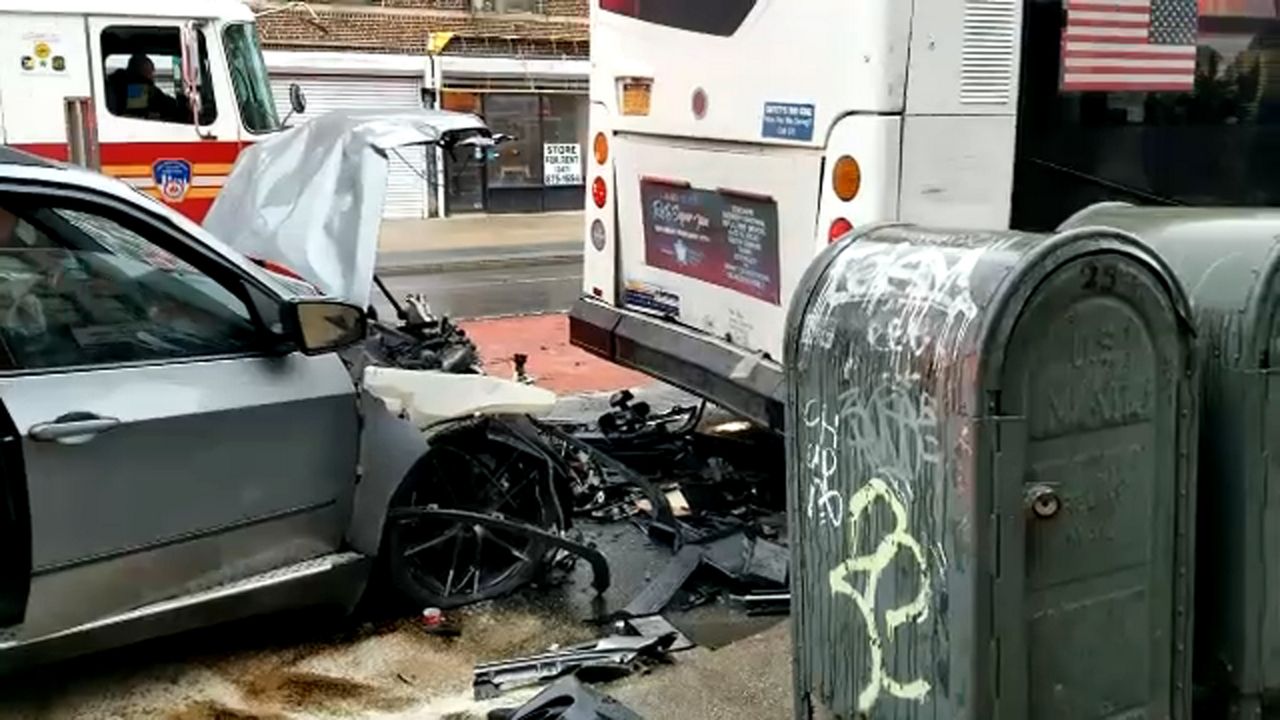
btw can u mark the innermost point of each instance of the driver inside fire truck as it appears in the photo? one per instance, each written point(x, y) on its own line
point(133, 92)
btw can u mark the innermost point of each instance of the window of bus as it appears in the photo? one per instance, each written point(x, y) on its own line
point(142, 69)
point(1214, 144)
point(249, 79)
point(712, 17)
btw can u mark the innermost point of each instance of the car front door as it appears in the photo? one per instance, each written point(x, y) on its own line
point(169, 445)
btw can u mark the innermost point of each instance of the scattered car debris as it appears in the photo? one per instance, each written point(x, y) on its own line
point(604, 659)
point(656, 626)
point(764, 603)
point(568, 699)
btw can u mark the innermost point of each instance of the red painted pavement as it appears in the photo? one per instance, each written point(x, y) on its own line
point(553, 362)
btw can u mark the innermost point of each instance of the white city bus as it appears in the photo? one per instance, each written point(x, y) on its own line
point(734, 138)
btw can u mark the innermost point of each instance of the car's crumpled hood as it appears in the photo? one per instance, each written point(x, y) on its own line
point(311, 197)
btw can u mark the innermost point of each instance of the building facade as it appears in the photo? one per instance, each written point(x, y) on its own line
point(520, 64)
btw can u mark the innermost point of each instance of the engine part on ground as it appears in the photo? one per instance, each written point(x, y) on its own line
point(607, 658)
point(480, 469)
point(568, 699)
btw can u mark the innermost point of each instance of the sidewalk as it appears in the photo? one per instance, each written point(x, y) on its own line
point(477, 241)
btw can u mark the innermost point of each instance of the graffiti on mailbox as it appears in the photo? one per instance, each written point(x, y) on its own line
point(893, 317)
point(928, 287)
point(821, 459)
point(859, 578)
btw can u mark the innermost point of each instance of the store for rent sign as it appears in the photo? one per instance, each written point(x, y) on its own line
point(562, 164)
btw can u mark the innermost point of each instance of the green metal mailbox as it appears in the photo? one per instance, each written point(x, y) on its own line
point(991, 462)
point(1229, 261)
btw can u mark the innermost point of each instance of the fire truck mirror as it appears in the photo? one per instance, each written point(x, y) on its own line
point(297, 99)
point(190, 58)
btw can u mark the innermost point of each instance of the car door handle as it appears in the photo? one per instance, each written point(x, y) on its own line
point(72, 428)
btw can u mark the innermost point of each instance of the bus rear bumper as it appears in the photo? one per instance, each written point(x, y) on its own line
point(706, 366)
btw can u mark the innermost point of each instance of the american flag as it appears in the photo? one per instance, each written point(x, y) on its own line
point(1142, 45)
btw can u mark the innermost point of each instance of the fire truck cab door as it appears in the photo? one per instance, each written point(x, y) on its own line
point(137, 81)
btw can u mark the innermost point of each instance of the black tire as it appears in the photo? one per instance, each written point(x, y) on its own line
point(479, 468)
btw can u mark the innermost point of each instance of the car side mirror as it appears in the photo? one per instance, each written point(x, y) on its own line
point(319, 326)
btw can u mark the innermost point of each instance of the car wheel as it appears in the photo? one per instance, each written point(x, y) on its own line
point(479, 468)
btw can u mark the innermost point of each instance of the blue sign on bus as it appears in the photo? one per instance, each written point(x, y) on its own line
point(787, 121)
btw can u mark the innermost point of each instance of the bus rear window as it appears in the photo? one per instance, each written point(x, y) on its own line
point(710, 17)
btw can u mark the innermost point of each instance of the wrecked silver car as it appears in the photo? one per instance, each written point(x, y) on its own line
point(184, 442)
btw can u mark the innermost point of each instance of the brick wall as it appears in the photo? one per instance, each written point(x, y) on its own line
point(406, 31)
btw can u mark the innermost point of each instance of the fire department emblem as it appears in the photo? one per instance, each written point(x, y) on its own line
point(173, 178)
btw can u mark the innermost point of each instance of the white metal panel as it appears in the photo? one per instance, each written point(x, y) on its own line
point(965, 57)
point(957, 171)
point(835, 55)
point(408, 188)
point(32, 100)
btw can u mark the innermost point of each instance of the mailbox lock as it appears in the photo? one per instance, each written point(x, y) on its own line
point(1044, 502)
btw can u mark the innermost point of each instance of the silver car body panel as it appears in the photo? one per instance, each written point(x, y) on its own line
point(220, 470)
point(311, 197)
point(203, 448)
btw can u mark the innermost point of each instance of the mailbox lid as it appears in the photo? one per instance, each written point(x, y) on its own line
point(896, 352)
point(1228, 259)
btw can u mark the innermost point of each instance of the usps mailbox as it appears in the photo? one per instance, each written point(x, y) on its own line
point(1229, 261)
point(990, 439)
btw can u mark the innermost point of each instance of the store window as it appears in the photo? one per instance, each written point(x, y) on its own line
point(464, 167)
point(142, 67)
point(519, 162)
point(1212, 144)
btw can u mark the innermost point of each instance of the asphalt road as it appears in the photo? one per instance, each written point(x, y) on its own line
point(490, 292)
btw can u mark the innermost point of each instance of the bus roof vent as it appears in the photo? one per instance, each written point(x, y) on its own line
point(990, 46)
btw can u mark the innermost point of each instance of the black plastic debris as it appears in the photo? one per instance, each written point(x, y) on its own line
point(597, 661)
point(568, 699)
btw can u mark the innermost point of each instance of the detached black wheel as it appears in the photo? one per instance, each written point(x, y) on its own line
point(446, 563)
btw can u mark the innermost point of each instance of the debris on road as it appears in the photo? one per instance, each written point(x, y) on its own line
point(568, 699)
point(606, 659)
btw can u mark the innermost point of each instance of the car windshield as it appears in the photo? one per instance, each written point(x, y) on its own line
point(249, 78)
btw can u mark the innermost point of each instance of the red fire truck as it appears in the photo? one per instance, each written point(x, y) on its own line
point(162, 94)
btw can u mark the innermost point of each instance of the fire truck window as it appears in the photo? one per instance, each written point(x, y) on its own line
point(249, 79)
point(142, 69)
point(1212, 145)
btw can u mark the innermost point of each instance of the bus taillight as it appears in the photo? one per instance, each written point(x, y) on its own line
point(839, 227)
point(601, 148)
point(599, 193)
point(846, 178)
